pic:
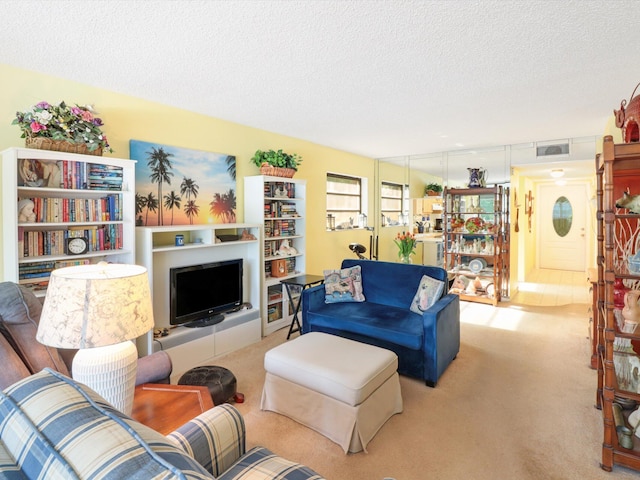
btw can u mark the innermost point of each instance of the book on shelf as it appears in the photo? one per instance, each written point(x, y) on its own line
point(68, 174)
point(39, 272)
point(280, 189)
point(37, 243)
point(64, 210)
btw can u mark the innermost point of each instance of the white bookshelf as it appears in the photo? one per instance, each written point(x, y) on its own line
point(273, 211)
point(15, 259)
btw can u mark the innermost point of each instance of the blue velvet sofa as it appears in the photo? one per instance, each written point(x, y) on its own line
point(55, 428)
point(425, 344)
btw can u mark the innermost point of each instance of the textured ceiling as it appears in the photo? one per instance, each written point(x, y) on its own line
point(377, 78)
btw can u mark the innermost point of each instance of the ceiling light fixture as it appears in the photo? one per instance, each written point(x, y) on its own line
point(557, 173)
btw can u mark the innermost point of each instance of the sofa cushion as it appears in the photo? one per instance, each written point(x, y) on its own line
point(9, 469)
point(392, 324)
point(429, 291)
point(343, 285)
point(390, 283)
point(260, 464)
point(56, 428)
point(19, 315)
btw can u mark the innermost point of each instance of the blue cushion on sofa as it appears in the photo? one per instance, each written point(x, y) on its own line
point(397, 325)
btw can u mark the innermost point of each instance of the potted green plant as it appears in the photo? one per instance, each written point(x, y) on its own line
point(276, 163)
point(433, 189)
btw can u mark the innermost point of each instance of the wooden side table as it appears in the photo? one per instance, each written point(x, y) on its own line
point(167, 407)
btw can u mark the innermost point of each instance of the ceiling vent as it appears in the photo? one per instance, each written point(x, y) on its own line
point(552, 150)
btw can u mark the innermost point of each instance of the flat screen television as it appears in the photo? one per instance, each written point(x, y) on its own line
point(200, 294)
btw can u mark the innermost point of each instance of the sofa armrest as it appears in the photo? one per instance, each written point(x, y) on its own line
point(312, 298)
point(441, 324)
point(215, 438)
point(154, 368)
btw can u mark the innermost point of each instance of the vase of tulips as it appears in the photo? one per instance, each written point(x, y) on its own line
point(406, 243)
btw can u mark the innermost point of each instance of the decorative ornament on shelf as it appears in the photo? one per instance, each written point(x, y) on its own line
point(477, 177)
point(628, 119)
point(406, 243)
point(278, 164)
point(62, 128)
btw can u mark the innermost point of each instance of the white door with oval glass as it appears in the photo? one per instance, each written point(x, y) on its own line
point(562, 217)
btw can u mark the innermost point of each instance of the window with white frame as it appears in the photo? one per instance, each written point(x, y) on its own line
point(344, 201)
point(394, 204)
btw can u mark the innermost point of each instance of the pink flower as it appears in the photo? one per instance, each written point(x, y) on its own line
point(36, 127)
point(76, 110)
point(87, 116)
point(43, 105)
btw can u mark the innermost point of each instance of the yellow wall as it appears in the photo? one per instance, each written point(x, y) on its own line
point(126, 118)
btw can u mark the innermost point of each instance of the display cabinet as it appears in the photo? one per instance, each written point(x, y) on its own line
point(279, 204)
point(476, 242)
point(618, 393)
point(61, 209)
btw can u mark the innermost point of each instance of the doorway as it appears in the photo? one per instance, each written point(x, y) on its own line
point(562, 230)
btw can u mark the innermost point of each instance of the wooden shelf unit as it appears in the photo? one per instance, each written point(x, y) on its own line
point(462, 246)
point(618, 236)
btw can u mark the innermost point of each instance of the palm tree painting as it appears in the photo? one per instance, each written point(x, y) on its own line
point(180, 186)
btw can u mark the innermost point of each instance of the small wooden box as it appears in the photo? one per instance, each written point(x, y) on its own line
point(279, 267)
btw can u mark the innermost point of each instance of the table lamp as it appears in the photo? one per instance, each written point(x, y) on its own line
point(98, 309)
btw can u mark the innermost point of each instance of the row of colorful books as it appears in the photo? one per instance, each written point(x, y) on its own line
point(280, 190)
point(280, 209)
point(53, 210)
point(37, 243)
point(39, 271)
point(69, 174)
point(279, 228)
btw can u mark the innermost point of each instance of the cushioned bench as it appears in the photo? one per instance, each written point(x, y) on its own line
point(343, 389)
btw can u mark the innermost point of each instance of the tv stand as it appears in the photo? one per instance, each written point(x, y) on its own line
point(205, 322)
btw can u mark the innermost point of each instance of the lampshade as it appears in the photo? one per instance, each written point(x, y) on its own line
point(98, 309)
point(90, 306)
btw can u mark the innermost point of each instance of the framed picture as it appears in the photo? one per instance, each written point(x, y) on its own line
point(180, 186)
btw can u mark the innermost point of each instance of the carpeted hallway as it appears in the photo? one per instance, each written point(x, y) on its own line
point(517, 403)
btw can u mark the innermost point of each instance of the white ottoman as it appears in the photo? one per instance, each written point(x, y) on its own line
point(343, 389)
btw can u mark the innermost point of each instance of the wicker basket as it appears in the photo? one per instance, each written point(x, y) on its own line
point(44, 143)
point(266, 169)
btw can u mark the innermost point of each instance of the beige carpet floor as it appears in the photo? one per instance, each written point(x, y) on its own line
point(517, 403)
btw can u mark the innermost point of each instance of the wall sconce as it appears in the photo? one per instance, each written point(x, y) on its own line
point(99, 309)
point(331, 222)
point(383, 221)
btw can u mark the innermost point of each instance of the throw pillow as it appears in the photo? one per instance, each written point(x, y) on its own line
point(429, 291)
point(343, 285)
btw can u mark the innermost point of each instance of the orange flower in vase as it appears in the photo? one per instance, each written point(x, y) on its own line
point(406, 243)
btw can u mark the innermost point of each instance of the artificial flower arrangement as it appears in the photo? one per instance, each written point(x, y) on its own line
point(75, 124)
point(406, 243)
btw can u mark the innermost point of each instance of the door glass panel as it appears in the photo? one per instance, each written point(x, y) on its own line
point(562, 216)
